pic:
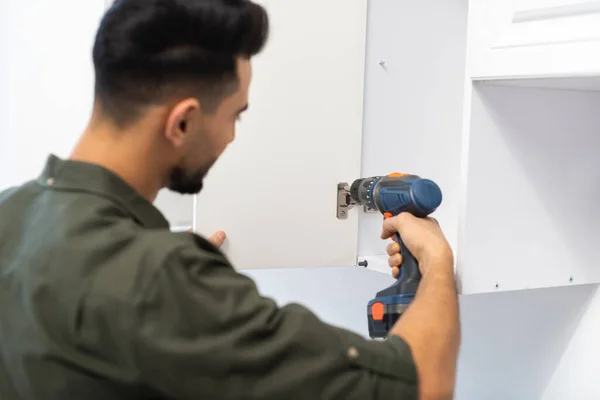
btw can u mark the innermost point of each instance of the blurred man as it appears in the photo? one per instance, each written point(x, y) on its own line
point(99, 300)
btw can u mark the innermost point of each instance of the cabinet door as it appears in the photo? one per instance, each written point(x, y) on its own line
point(274, 190)
point(533, 38)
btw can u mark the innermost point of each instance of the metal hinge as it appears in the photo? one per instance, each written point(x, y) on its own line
point(344, 200)
point(346, 203)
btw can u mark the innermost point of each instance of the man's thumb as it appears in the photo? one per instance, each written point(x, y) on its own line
point(389, 228)
point(218, 238)
point(391, 225)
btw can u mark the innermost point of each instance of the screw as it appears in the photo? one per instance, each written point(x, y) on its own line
point(571, 279)
point(343, 213)
point(497, 286)
point(363, 263)
point(382, 63)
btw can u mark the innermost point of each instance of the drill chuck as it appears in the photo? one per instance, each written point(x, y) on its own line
point(397, 193)
point(361, 191)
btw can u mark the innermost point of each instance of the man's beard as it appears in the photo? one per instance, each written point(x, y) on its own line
point(188, 182)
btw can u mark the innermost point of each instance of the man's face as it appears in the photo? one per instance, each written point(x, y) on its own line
point(208, 136)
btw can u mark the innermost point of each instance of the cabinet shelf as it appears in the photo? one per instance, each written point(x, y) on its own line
point(577, 83)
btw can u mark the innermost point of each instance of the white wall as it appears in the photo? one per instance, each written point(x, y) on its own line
point(576, 376)
point(46, 81)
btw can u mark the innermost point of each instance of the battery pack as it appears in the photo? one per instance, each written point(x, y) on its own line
point(383, 313)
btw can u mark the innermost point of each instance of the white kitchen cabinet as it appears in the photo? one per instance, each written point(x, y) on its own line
point(533, 38)
point(531, 149)
point(274, 190)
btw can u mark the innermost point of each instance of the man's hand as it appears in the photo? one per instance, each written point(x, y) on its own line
point(422, 236)
point(217, 239)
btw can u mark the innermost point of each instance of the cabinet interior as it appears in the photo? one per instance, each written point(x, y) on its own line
point(533, 187)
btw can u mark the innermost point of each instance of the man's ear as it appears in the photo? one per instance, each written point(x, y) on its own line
point(181, 121)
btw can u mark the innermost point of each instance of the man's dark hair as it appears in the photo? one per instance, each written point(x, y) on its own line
point(148, 51)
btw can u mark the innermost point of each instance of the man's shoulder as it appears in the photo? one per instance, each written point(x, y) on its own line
point(6, 193)
point(12, 191)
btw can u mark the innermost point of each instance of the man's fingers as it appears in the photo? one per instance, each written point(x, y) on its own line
point(393, 248)
point(395, 260)
point(396, 272)
point(218, 238)
point(390, 225)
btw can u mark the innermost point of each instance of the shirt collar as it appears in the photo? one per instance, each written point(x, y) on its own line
point(92, 178)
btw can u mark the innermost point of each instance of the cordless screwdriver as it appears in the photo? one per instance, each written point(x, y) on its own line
point(392, 195)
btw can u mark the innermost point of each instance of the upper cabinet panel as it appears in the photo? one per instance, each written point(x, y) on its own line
point(533, 38)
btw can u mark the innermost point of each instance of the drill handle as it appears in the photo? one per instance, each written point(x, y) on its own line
point(410, 274)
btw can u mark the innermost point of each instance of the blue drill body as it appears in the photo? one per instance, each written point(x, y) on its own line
point(392, 195)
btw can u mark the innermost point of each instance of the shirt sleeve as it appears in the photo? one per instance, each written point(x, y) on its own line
point(204, 331)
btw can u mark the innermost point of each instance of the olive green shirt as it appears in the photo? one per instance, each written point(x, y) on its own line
point(99, 300)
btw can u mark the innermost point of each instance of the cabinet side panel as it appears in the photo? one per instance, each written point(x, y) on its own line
point(414, 103)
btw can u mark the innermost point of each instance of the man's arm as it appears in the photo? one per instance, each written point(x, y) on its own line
point(431, 324)
point(202, 330)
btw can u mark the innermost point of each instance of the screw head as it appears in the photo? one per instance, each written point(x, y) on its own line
point(571, 279)
point(382, 63)
point(497, 286)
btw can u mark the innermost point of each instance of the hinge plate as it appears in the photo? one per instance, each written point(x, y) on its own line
point(344, 200)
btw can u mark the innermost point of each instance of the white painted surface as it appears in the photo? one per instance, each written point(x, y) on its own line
point(512, 341)
point(534, 38)
point(533, 190)
point(274, 189)
point(46, 81)
point(413, 105)
point(576, 376)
